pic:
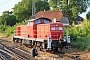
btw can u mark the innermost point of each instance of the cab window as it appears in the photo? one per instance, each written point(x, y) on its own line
point(37, 21)
point(46, 21)
point(60, 28)
point(52, 28)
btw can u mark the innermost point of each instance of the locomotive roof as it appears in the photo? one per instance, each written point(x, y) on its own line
point(38, 18)
point(49, 14)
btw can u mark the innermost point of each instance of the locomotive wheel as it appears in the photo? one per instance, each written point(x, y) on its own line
point(38, 46)
point(56, 49)
point(30, 44)
point(22, 42)
point(15, 41)
point(41, 46)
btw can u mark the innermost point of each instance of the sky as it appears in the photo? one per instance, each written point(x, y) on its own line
point(9, 4)
point(84, 13)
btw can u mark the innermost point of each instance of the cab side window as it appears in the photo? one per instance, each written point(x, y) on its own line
point(46, 21)
point(37, 21)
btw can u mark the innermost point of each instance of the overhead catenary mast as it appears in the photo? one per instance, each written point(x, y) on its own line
point(33, 8)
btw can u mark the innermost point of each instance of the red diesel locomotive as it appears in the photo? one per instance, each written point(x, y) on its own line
point(42, 33)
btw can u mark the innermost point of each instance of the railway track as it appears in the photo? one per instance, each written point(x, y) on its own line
point(5, 56)
point(25, 52)
point(10, 54)
point(71, 54)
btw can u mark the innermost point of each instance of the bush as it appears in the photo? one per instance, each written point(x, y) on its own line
point(81, 43)
point(8, 31)
point(74, 44)
point(79, 35)
point(3, 28)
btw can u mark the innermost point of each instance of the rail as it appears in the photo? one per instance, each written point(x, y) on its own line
point(3, 57)
point(12, 54)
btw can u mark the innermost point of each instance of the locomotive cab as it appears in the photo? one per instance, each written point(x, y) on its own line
point(56, 31)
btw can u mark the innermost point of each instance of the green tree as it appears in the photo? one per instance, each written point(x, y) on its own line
point(72, 8)
point(88, 15)
point(23, 10)
point(8, 18)
point(41, 5)
point(54, 4)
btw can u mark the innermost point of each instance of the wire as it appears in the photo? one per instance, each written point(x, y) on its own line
point(4, 3)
